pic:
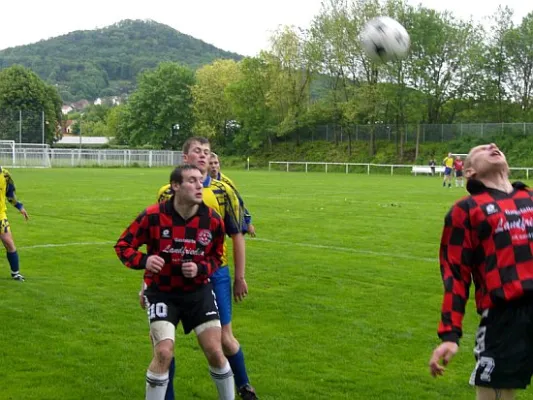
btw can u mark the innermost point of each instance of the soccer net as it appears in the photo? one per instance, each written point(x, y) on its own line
point(24, 155)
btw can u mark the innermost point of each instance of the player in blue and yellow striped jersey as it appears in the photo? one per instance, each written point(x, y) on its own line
point(215, 173)
point(7, 194)
point(221, 197)
point(448, 168)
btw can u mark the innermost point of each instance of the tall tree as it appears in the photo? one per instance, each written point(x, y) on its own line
point(249, 97)
point(291, 70)
point(212, 108)
point(22, 90)
point(496, 66)
point(440, 65)
point(161, 109)
point(520, 50)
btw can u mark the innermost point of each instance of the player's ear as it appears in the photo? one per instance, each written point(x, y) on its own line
point(174, 185)
point(470, 173)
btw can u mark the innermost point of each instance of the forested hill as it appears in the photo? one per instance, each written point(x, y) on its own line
point(105, 62)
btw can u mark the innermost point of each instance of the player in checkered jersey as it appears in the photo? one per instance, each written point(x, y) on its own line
point(184, 245)
point(488, 238)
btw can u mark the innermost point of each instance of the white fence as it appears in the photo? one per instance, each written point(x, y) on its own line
point(32, 156)
point(114, 158)
point(392, 169)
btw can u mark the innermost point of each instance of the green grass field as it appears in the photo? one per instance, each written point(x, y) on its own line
point(344, 283)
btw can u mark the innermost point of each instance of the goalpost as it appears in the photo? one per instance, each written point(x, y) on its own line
point(24, 155)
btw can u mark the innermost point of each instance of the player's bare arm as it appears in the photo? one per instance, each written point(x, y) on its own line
point(240, 287)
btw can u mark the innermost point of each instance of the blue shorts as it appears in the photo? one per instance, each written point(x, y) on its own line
point(221, 280)
point(447, 171)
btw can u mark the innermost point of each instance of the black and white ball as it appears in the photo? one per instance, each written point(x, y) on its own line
point(384, 39)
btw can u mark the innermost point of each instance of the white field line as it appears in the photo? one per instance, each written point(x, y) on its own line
point(278, 242)
point(349, 250)
point(52, 245)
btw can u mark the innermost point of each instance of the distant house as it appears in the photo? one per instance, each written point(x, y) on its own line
point(66, 109)
point(98, 102)
point(81, 105)
point(68, 126)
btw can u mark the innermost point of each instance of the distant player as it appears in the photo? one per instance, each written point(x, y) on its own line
point(458, 167)
point(222, 198)
point(184, 245)
point(487, 239)
point(7, 193)
point(432, 165)
point(448, 168)
point(215, 173)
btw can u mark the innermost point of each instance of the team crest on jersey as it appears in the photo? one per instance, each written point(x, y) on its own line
point(491, 209)
point(165, 233)
point(204, 237)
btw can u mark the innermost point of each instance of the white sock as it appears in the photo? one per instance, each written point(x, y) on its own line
point(223, 378)
point(156, 385)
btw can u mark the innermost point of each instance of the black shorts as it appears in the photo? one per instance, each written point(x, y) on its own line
point(192, 309)
point(504, 347)
point(458, 174)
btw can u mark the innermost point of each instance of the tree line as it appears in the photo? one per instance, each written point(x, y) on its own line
point(457, 72)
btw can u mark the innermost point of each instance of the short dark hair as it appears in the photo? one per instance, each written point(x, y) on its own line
point(177, 174)
point(187, 145)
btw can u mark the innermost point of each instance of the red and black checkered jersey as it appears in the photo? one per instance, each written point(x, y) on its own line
point(487, 238)
point(165, 233)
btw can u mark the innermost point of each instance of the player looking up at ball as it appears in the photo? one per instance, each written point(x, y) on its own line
point(488, 239)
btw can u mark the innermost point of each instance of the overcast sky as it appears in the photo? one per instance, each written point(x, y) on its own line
point(241, 26)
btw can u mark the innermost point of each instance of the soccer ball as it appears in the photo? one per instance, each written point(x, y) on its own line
point(384, 39)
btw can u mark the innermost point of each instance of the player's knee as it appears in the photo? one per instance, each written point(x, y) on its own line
point(216, 358)
point(485, 393)
point(164, 352)
point(8, 243)
point(230, 345)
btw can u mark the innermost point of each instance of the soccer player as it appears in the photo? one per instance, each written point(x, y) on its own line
point(488, 238)
point(448, 167)
point(458, 167)
point(185, 241)
point(222, 198)
point(215, 173)
point(7, 193)
point(432, 165)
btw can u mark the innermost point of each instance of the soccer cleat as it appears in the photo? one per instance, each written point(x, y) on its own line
point(17, 277)
point(247, 393)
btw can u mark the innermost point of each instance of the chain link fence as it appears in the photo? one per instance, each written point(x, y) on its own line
point(22, 126)
point(426, 132)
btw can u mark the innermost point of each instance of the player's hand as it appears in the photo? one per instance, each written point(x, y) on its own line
point(154, 264)
point(189, 269)
point(445, 352)
point(240, 289)
point(143, 300)
point(251, 230)
point(24, 213)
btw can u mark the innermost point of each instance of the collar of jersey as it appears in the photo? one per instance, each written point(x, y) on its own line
point(475, 187)
point(207, 181)
point(169, 208)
